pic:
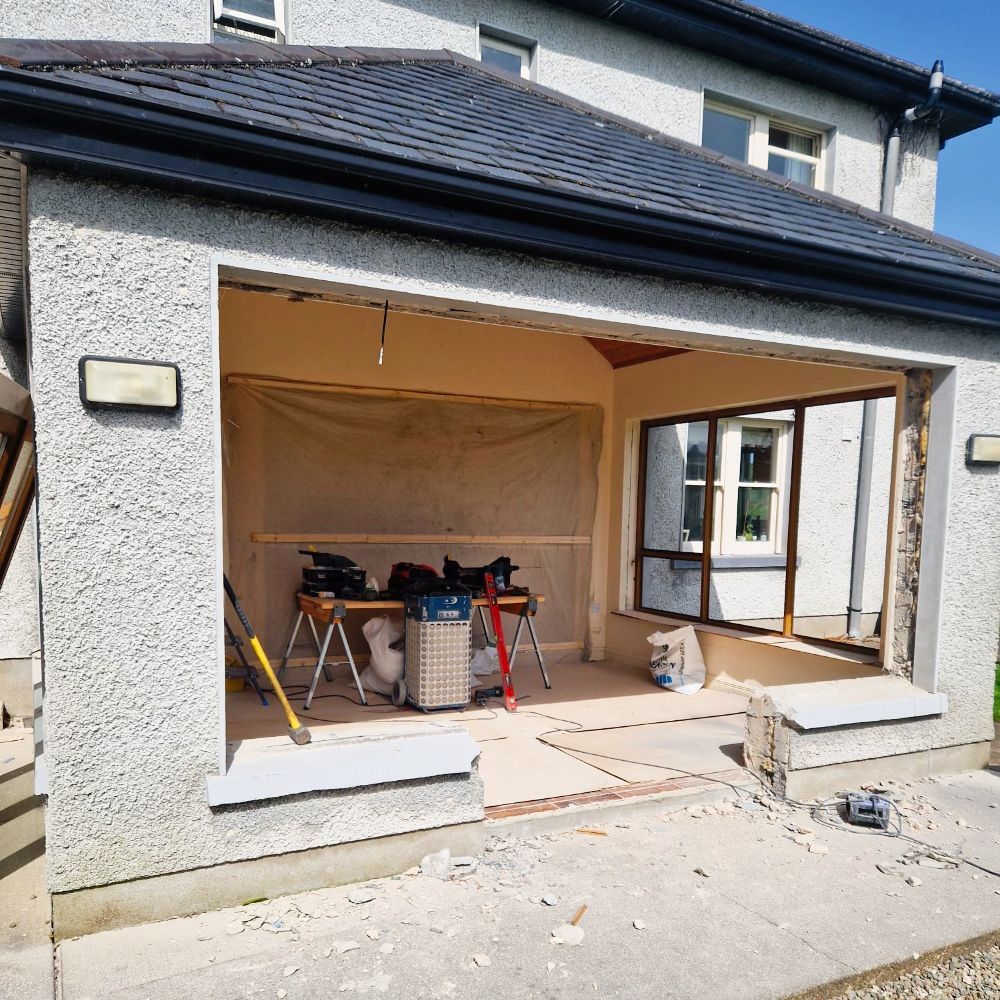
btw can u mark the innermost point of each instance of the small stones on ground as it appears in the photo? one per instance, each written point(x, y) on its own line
point(387, 949)
point(281, 994)
point(749, 806)
point(345, 946)
point(437, 929)
point(289, 970)
point(436, 865)
point(913, 880)
point(363, 895)
point(639, 925)
point(550, 900)
point(567, 934)
point(482, 960)
point(818, 849)
point(235, 927)
point(701, 872)
point(374, 934)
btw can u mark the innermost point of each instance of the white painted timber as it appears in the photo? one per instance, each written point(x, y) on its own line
point(275, 767)
point(854, 700)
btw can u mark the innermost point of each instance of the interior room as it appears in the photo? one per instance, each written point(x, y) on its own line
point(389, 435)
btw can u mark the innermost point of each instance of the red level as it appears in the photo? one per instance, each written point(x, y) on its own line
point(509, 697)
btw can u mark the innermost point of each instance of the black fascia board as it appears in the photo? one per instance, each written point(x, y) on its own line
point(778, 45)
point(57, 126)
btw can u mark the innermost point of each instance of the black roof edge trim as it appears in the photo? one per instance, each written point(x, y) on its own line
point(136, 145)
point(764, 40)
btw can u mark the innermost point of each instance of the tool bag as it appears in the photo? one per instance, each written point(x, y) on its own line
point(404, 575)
point(332, 574)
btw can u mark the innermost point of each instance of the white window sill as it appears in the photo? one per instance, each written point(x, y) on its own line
point(724, 562)
point(274, 767)
point(855, 700)
point(866, 656)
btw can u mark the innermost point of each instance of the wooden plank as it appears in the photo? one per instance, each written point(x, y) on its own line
point(318, 605)
point(277, 538)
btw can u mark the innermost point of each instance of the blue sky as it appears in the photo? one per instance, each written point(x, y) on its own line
point(966, 34)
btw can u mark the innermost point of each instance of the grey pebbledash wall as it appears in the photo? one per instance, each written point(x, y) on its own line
point(128, 516)
point(645, 79)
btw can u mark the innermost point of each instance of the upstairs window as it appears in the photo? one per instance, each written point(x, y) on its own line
point(506, 52)
point(764, 141)
point(248, 21)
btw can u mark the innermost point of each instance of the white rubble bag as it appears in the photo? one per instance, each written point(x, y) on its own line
point(386, 665)
point(677, 663)
point(486, 661)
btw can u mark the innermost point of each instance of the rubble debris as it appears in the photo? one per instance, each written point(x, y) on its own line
point(436, 865)
point(889, 869)
point(701, 872)
point(568, 934)
point(387, 949)
point(913, 880)
point(482, 961)
point(363, 895)
point(345, 946)
point(639, 925)
point(592, 831)
point(374, 934)
point(815, 848)
point(550, 900)
point(235, 927)
point(289, 970)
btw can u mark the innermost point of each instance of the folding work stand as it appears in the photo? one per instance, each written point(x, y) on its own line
point(232, 639)
point(525, 614)
point(335, 622)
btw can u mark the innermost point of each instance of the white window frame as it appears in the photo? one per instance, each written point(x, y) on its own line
point(759, 146)
point(495, 39)
point(277, 23)
point(724, 537)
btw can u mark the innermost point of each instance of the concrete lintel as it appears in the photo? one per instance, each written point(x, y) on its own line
point(105, 907)
point(854, 700)
point(275, 767)
point(828, 779)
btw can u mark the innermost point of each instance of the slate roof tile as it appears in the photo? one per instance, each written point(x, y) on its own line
point(451, 113)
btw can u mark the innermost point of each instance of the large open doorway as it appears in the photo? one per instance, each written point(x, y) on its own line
point(585, 461)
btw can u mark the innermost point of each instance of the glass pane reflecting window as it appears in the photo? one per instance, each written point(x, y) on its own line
point(726, 133)
point(509, 62)
point(256, 8)
point(794, 170)
point(757, 455)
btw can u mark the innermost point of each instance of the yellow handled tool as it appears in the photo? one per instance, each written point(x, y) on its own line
point(296, 730)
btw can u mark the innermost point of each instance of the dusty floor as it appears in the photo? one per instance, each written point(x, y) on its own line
point(586, 733)
point(737, 899)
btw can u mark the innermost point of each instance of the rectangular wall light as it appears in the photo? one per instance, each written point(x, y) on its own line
point(983, 449)
point(126, 384)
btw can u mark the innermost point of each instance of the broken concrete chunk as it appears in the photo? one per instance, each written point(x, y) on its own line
point(639, 925)
point(888, 869)
point(436, 865)
point(345, 946)
point(363, 895)
point(374, 934)
point(550, 900)
point(482, 960)
point(235, 927)
point(387, 949)
point(701, 872)
point(818, 849)
point(567, 934)
point(289, 970)
point(913, 880)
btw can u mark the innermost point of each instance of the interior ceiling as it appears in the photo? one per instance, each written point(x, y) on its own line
point(622, 353)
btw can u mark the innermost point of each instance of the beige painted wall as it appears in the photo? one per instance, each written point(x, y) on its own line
point(700, 381)
point(325, 342)
point(316, 341)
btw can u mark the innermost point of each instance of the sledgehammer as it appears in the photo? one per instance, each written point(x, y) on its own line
point(296, 730)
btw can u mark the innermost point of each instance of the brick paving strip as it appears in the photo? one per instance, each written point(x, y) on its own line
point(967, 970)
